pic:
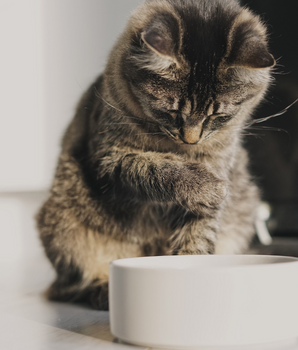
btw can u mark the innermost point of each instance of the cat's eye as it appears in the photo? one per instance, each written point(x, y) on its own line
point(215, 116)
point(220, 118)
point(206, 121)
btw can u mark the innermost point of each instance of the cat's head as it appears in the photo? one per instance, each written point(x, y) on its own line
point(196, 66)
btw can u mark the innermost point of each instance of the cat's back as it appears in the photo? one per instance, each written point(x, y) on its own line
point(75, 139)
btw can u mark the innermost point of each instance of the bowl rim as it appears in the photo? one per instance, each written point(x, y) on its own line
point(133, 263)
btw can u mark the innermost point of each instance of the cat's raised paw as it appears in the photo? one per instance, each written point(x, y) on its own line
point(205, 190)
point(214, 192)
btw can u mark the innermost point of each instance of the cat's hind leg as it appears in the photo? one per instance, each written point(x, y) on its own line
point(80, 256)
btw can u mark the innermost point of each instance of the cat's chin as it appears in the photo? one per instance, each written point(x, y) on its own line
point(183, 142)
point(189, 144)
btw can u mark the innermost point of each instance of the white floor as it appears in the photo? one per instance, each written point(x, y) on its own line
point(29, 321)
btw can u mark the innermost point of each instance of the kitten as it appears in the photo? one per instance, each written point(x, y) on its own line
point(153, 162)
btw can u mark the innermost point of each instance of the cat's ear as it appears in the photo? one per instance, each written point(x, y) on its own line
point(252, 54)
point(249, 47)
point(159, 41)
point(161, 38)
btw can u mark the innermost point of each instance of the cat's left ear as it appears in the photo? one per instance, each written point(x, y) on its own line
point(249, 47)
point(158, 41)
point(161, 37)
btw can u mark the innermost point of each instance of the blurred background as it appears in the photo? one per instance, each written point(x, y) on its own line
point(51, 50)
point(273, 146)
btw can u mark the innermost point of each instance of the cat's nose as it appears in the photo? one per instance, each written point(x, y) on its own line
point(191, 134)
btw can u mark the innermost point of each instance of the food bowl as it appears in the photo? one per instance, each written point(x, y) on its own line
point(202, 302)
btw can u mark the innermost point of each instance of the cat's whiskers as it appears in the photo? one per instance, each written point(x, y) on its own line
point(97, 94)
point(235, 128)
point(161, 139)
point(228, 130)
point(251, 124)
point(121, 124)
point(282, 112)
point(218, 142)
point(169, 133)
point(268, 128)
point(103, 132)
point(152, 133)
point(241, 132)
point(119, 110)
point(144, 121)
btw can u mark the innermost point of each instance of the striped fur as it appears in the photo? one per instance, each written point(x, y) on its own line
point(153, 162)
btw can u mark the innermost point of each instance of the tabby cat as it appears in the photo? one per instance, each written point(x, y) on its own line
point(153, 161)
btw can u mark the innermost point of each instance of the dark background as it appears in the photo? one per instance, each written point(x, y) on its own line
point(274, 153)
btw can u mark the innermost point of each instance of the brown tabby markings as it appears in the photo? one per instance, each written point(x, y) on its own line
point(153, 162)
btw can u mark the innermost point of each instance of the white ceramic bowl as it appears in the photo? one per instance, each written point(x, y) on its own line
point(199, 302)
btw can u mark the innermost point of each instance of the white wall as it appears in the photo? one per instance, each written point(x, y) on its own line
point(51, 50)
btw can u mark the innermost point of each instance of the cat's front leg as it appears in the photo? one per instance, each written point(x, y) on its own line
point(196, 237)
point(165, 178)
